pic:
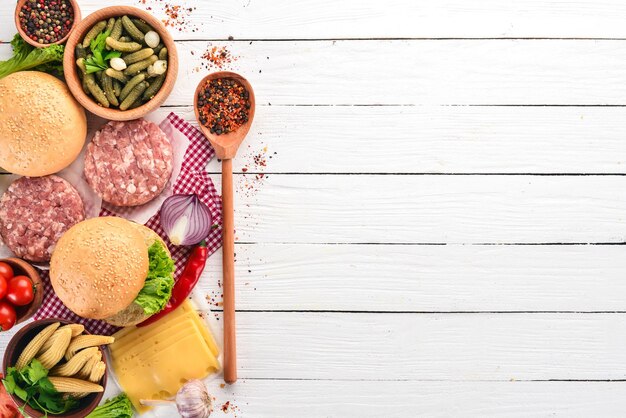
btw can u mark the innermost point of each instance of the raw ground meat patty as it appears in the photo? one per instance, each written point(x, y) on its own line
point(35, 212)
point(129, 163)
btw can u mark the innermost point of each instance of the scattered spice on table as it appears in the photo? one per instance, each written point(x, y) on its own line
point(223, 105)
point(216, 58)
point(176, 16)
point(46, 21)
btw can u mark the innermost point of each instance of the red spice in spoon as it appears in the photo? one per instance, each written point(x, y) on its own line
point(223, 105)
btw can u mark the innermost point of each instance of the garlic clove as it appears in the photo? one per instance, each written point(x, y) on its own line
point(118, 64)
point(193, 400)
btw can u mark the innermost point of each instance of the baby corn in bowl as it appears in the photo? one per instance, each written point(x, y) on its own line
point(54, 367)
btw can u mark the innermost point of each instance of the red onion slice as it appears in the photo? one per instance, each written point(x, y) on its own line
point(185, 219)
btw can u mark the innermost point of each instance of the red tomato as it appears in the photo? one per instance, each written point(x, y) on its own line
point(20, 291)
point(3, 287)
point(7, 316)
point(5, 270)
point(7, 407)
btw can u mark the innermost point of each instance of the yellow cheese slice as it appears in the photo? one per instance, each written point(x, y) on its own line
point(160, 376)
point(154, 342)
point(140, 336)
point(184, 311)
point(188, 308)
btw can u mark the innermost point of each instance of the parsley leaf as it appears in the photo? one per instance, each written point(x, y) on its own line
point(31, 384)
point(100, 56)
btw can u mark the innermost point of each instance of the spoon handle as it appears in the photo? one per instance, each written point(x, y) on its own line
point(228, 261)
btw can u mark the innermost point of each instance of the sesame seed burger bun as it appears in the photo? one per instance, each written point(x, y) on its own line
point(99, 266)
point(42, 126)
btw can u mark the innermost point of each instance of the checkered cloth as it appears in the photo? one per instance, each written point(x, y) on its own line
point(192, 179)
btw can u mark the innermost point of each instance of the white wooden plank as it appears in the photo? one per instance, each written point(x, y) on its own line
point(393, 346)
point(432, 346)
point(432, 139)
point(423, 278)
point(430, 209)
point(337, 399)
point(314, 19)
point(425, 72)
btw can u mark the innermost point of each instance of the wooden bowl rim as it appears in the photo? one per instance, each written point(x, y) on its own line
point(77, 413)
point(71, 71)
point(226, 145)
point(77, 17)
point(30, 272)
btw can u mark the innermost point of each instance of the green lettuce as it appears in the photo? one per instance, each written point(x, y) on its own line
point(157, 290)
point(118, 407)
point(27, 57)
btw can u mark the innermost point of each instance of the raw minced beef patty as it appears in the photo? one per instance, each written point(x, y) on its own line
point(35, 212)
point(129, 163)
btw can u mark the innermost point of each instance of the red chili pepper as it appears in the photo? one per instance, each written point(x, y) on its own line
point(185, 283)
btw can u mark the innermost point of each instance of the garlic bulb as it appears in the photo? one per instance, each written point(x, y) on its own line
point(193, 400)
point(152, 39)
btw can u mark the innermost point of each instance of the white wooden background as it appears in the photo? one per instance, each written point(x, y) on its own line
point(441, 230)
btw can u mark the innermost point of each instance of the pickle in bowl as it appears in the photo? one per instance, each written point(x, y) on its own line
point(123, 54)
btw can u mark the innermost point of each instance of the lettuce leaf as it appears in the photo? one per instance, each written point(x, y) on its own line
point(157, 290)
point(118, 407)
point(27, 57)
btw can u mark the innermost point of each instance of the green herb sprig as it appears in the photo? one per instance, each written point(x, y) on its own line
point(31, 384)
point(100, 56)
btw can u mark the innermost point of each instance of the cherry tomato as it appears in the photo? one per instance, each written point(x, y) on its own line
point(7, 316)
point(3, 287)
point(20, 291)
point(5, 270)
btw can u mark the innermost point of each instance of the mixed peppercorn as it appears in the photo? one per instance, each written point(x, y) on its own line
point(223, 105)
point(46, 21)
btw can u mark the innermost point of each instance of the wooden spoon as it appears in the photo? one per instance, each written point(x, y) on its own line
point(226, 146)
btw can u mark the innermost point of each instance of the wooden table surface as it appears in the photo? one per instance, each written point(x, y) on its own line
point(430, 206)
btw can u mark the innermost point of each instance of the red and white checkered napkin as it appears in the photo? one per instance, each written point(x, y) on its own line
point(192, 179)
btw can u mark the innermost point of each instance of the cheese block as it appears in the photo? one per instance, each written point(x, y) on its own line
point(160, 376)
point(153, 362)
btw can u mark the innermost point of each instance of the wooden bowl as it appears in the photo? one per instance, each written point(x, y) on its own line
point(226, 145)
point(36, 44)
point(23, 268)
point(13, 351)
point(71, 71)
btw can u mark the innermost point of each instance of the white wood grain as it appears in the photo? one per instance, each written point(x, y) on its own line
point(314, 19)
point(424, 278)
point(430, 209)
point(432, 346)
point(432, 139)
point(424, 72)
point(340, 399)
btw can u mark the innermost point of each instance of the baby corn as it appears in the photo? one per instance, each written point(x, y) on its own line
point(69, 384)
point(76, 363)
point(97, 372)
point(84, 341)
point(33, 347)
point(55, 353)
point(77, 329)
point(85, 371)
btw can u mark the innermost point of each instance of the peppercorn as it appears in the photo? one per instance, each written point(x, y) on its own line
point(223, 105)
point(46, 21)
